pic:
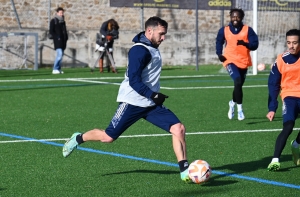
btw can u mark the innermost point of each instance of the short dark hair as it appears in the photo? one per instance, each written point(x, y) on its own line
point(155, 21)
point(242, 13)
point(293, 32)
point(59, 9)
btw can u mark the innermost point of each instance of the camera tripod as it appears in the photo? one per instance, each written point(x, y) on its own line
point(108, 59)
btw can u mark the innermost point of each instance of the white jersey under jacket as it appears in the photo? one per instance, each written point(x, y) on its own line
point(150, 77)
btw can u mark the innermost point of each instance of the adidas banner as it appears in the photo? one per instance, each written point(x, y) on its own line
point(263, 5)
point(174, 4)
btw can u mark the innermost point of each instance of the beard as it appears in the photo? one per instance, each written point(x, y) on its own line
point(155, 43)
point(236, 23)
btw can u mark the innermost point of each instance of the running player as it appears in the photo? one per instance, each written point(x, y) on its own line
point(239, 40)
point(285, 76)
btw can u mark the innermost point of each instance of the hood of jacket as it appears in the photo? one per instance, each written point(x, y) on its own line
point(141, 38)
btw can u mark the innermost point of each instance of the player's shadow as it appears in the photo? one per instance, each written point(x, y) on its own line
point(232, 169)
point(143, 171)
point(257, 120)
point(211, 182)
point(244, 167)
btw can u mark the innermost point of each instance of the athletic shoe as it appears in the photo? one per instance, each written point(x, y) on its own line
point(70, 145)
point(295, 154)
point(231, 110)
point(55, 72)
point(185, 176)
point(274, 166)
point(241, 115)
point(61, 72)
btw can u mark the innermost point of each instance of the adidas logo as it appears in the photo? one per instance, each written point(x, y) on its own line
point(219, 3)
point(186, 164)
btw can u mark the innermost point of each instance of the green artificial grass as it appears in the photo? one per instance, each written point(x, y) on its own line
point(38, 105)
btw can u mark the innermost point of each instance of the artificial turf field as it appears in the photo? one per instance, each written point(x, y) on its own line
point(40, 111)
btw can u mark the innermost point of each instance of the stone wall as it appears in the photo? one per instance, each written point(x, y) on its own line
point(84, 18)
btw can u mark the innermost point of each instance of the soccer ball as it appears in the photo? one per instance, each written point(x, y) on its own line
point(199, 171)
point(261, 67)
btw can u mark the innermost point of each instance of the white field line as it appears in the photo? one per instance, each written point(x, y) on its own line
point(102, 78)
point(31, 80)
point(206, 133)
point(157, 135)
point(169, 88)
point(60, 79)
point(212, 87)
point(89, 81)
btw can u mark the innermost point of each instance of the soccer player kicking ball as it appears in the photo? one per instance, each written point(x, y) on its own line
point(240, 40)
point(139, 97)
point(284, 76)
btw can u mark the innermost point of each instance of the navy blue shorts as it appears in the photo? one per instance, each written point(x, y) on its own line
point(290, 108)
point(127, 114)
point(236, 72)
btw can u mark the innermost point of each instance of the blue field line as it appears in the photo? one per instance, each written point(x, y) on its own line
point(155, 161)
point(163, 81)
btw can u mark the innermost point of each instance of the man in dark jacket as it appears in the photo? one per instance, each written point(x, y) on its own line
point(58, 31)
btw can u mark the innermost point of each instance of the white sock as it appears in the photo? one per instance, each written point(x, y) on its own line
point(275, 160)
point(232, 103)
point(295, 144)
point(239, 106)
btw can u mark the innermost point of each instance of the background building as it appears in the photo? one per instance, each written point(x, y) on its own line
point(84, 18)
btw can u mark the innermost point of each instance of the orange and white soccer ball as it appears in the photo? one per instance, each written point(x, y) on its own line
point(199, 171)
point(261, 67)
